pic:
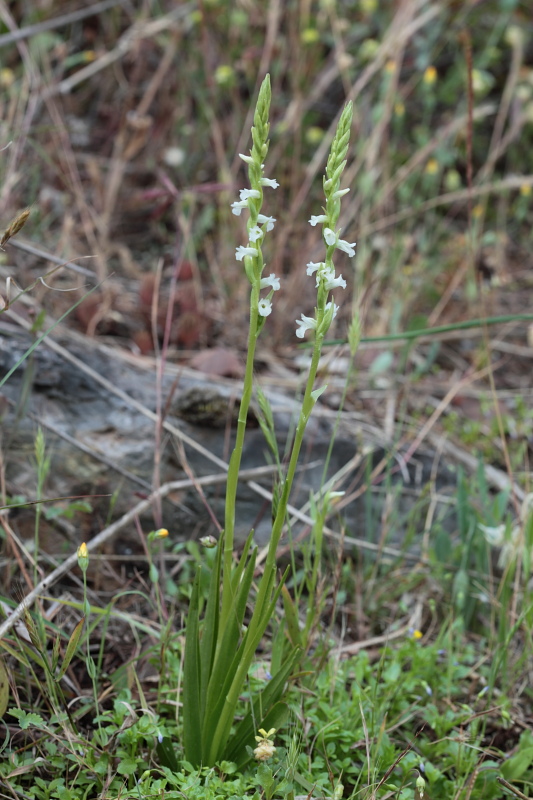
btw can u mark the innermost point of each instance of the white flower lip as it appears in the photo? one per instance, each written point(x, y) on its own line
point(264, 307)
point(330, 236)
point(347, 247)
point(244, 194)
point(305, 324)
point(255, 234)
point(335, 308)
point(327, 274)
point(262, 219)
point(272, 281)
point(238, 206)
point(269, 182)
point(241, 252)
point(317, 219)
point(332, 282)
point(313, 266)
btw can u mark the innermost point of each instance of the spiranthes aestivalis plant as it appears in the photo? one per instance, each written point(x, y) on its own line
point(220, 646)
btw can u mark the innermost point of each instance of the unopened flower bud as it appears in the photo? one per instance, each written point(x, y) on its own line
point(83, 557)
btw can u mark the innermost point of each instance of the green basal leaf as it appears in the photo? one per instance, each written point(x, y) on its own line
point(4, 688)
point(192, 736)
point(71, 648)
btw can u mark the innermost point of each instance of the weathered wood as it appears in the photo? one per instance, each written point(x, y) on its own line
point(105, 402)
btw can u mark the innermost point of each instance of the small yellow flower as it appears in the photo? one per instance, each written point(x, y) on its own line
point(161, 533)
point(310, 36)
point(368, 49)
point(525, 190)
point(265, 749)
point(390, 66)
point(452, 180)
point(416, 634)
point(514, 36)
point(83, 557)
point(7, 77)
point(314, 135)
point(224, 75)
point(477, 211)
point(399, 108)
point(430, 76)
point(482, 81)
point(432, 167)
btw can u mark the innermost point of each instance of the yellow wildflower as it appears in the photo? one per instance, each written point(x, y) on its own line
point(265, 749)
point(430, 76)
point(83, 557)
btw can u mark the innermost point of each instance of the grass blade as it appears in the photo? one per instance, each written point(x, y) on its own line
point(192, 734)
point(71, 648)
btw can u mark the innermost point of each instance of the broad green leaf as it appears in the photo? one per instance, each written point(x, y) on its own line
point(32, 654)
point(225, 711)
point(237, 573)
point(4, 688)
point(291, 618)
point(14, 653)
point(192, 734)
point(27, 719)
point(515, 767)
point(235, 656)
point(279, 647)
point(167, 754)
point(127, 765)
point(229, 649)
point(208, 643)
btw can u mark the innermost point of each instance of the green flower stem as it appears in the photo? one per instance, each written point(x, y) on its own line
point(89, 661)
point(308, 403)
point(235, 460)
point(254, 266)
point(324, 316)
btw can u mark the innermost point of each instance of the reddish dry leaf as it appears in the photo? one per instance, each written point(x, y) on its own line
point(219, 361)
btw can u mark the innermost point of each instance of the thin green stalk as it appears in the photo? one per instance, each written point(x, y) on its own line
point(455, 326)
point(252, 256)
point(43, 466)
point(83, 563)
point(307, 406)
point(235, 460)
point(325, 312)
